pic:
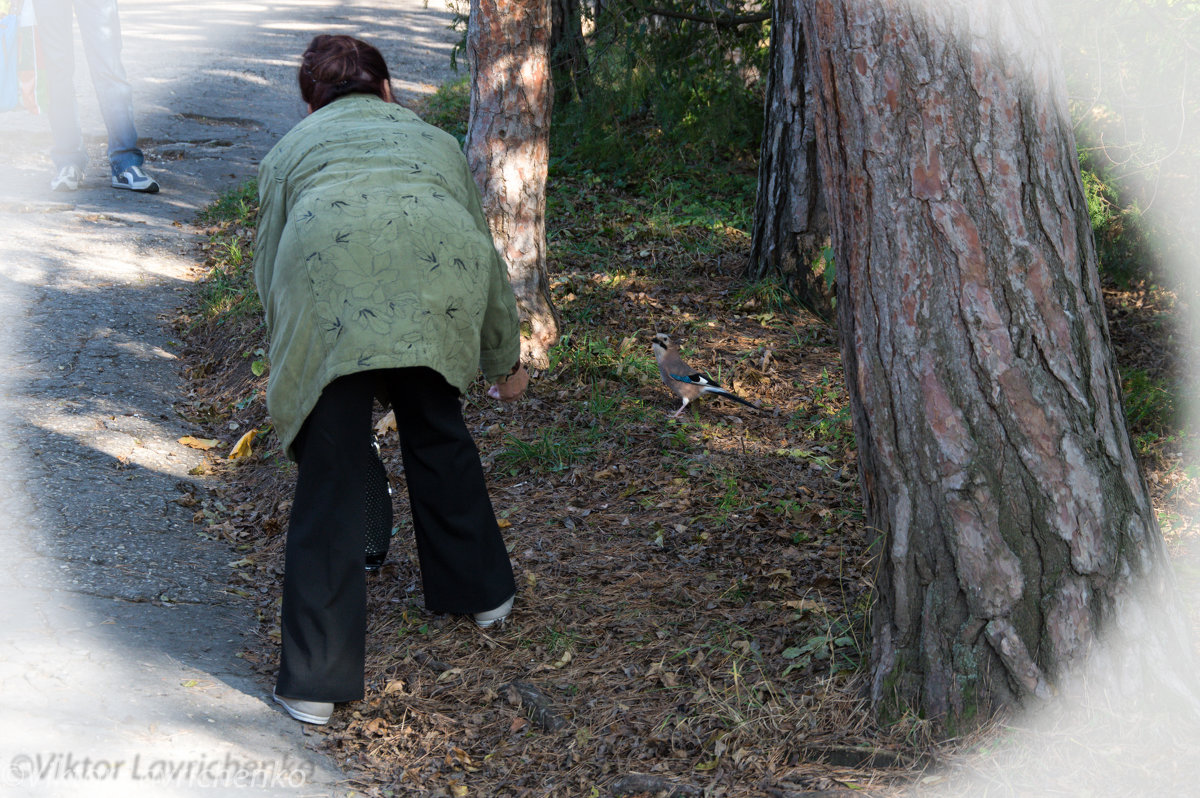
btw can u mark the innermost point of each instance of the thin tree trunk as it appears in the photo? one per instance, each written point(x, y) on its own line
point(508, 149)
point(791, 226)
point(1015, 528)
point(568, 51)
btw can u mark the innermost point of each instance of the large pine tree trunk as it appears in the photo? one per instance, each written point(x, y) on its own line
point(1015, 528)
point(508, 149)
point(790, 222)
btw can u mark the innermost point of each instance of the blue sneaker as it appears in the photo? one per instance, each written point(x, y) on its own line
point(134, 179)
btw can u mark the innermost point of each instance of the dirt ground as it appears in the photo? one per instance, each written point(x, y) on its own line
point(690, 618)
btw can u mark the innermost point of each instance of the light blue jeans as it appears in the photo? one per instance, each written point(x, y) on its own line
point(100, 30)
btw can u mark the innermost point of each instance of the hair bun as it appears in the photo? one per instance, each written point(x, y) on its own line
point(336, 65)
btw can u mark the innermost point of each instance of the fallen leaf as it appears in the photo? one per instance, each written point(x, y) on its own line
point(386, 424)
point(450, 674)
point(203, 444)
point(458, 755)
point(804, 605)
point(242, 448)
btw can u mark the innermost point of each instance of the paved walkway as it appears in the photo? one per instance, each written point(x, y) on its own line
point(118, 666)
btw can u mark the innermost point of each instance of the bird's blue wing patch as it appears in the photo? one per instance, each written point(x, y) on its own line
point(694, 379)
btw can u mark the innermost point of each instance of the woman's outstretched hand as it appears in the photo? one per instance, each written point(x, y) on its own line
point(510, 388)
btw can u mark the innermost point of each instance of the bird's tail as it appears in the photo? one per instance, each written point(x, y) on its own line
point(733, 396)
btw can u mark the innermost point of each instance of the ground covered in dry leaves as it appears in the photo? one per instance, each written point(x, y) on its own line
point(690, 617)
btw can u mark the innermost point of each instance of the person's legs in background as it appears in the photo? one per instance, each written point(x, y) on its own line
point(464, 563)
point(55, 31)
point(100, 30)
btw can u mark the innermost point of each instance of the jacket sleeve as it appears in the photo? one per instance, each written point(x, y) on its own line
point(272, 216)
point(500, 332)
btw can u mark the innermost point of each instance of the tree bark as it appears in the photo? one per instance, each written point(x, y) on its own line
point(508, 149)
point(790, 223)
point(1015, 528)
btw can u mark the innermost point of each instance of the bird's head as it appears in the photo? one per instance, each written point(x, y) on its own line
point(661, 341)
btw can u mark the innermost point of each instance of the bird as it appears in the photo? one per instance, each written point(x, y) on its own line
point(684, 381)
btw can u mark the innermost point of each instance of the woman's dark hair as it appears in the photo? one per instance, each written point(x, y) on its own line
point(334, 66)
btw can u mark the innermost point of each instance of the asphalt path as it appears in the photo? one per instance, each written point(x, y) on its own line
point(119, 672)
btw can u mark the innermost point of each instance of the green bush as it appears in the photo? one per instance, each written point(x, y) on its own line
point(666, 89)
point(448, 107)
point(1122, 244)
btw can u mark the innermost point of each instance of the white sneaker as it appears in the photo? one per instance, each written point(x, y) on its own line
point(67, 179)
point(492, 617)
point(135, 179)
point(315, 712)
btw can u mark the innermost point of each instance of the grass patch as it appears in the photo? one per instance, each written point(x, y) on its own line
point(227, 292)
point(237, 206)
point(1151, 404)
point(588, 357)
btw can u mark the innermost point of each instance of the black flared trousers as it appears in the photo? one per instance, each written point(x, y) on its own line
point(464, 562)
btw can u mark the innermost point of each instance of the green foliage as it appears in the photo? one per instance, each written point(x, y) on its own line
point(409, 623)
point(827, 418)
point(670, 122)
point(1135, 105)
point(1153, 410)
point(767, 296)
point(599, 423)
point(1122, 244)
point(672, 117)
point(833, 642)
point(605, 221)
point(448, 108)
point(260, 364)
point(826, 268)
point(550, 451)
point(228, 291)
point(699, 83)
point(237, 206)
point(589, 358)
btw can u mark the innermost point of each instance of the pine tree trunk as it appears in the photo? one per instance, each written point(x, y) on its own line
point(508, 149)
point(790, 223)
point(1015, 528)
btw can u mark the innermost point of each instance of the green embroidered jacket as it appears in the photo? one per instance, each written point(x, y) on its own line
point(372, 252)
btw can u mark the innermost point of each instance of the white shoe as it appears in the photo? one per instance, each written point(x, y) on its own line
point(492, 617)
point(315, 712)
point(67, 179)
point(135, 179)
